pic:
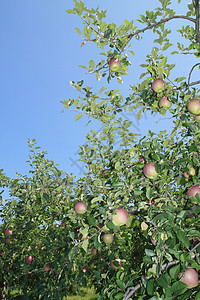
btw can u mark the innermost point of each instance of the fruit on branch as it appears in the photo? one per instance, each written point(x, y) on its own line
point(194, 106)
point(193, 190)
point(114, 64)
point(47, 268)
point(120, 217)
point(192, 172)
point(197, 118)
point(117, 264)
point(29, 259)
point(142, 160)
point(85, 269)
point(165, 103)
point(190, 278)
point(94, 251)
point(150, 171)
point(158, 85)
point(7, 231)
point(80, 207)
point(7, 240)
point(108, 238)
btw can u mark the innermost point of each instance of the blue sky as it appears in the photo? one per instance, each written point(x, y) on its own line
point(40, 53)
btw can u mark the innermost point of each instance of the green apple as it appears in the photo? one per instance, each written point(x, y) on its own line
point(114, 64)
point(194, 106)
point(158, 85)
point(150, 171)
point(120, 217)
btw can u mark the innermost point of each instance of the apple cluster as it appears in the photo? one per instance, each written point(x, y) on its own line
point(158, 86)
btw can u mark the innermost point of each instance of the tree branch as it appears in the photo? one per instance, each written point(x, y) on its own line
point(130, 36)
point(196, 6)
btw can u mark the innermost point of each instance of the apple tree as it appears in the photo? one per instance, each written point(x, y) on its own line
point(129, 225)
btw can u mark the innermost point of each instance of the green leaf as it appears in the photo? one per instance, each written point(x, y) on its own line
point(149, 252)
point(98, 76)
point(91, 220)
point(121, 284)
point(197, 296)
point(91, 64)
point(70, 11)
point(174, 271)
point(182, 238)
point(149, 192)
point(84, 245)
point(78, 116)
point(150, 286)
point(78, 30)
point(119, 80)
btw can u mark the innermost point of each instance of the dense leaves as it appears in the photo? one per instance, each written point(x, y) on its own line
point(161, 238)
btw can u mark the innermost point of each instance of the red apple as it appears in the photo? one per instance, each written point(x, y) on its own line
point(7, 240)
point(80, 207)
point(165, 103)
point(94, 251)
point(29, 259)
point(108, 238)
point(158, 85)
point(193, 190)
point(47, 268)
point(120, 217)
point(194, 106)
point(150, 171)
point(119, 263)
point(190, 278)
point(85, 269)
point(142, 160)
point(114, 64)
point(7, 231)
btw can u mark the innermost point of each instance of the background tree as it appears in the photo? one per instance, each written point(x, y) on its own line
point(54, 247)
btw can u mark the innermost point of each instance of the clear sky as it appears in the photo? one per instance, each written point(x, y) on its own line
point(39, 54)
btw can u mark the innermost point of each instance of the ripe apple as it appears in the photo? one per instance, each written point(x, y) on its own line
point(194, 106)
point(193, 190)
point(94, 251)
point(29, 259)
point(165, 103)
point(197, 118)
point(142, 160)
point(114, 64)
point(47, 268)
point(80, 207)
point(120, 217)
point(7, 231)
point(150, 171)
point(7, 240)
point(158, 85)
point(192, 172)
point(118, 262)
point(85, 269)
point(190, 278)
point(108, 238)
